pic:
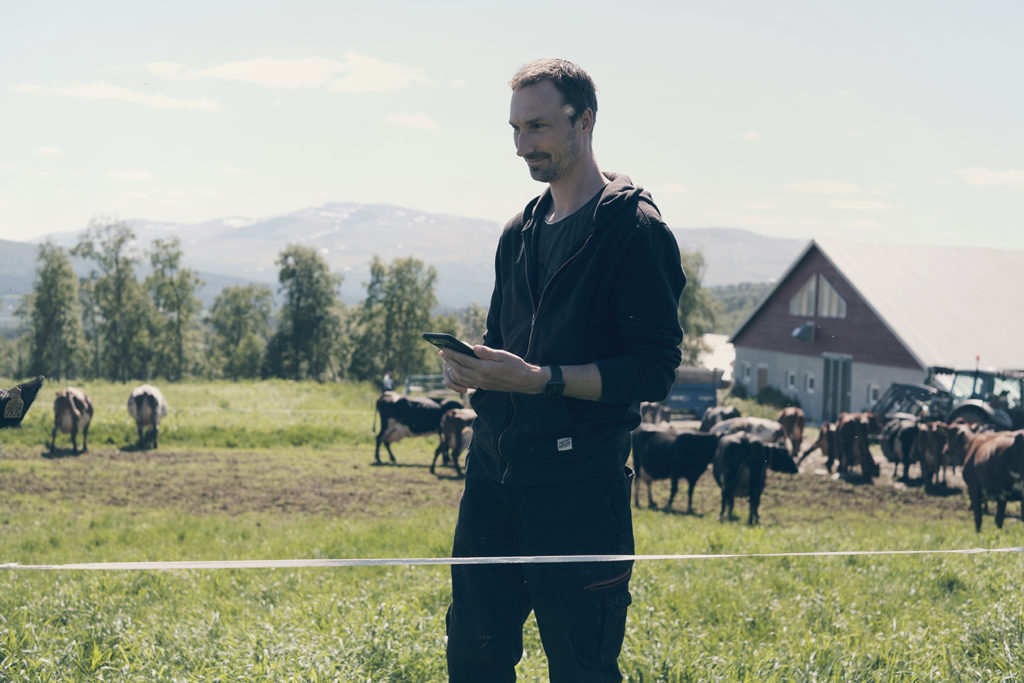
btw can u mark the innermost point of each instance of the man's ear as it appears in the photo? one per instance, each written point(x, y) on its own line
point(586, 120)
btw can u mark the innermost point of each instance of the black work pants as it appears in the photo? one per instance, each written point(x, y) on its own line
point(580, 607)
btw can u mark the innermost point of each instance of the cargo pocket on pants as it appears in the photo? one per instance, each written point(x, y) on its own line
point(599, 625)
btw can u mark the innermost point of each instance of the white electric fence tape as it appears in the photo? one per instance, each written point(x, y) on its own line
point(415, 561)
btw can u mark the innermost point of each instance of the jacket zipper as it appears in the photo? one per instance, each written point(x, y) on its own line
point(529, 341)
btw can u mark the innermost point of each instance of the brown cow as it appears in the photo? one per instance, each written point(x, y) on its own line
point(826, 442)
point(994, 469)
point(72, 410)
point(930, 443)
point(456, 431)
point(793, 422)
point(852, 433)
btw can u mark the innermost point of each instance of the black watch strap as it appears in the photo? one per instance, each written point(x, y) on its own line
point(555, 385)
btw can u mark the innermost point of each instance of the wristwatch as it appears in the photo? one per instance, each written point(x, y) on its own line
point(555, 385)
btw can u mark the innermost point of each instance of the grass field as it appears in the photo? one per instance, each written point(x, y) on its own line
point(283, 470)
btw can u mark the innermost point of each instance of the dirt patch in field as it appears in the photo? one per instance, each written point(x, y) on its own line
point(219, 482)
point(346, 483)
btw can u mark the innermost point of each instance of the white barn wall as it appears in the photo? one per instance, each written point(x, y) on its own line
point(862, 376)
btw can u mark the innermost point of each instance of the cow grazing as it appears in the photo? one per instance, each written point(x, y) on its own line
point(147, 407)
point(768, 432)
point(16, 401)
point(653, 413)
point(852, 433)
point(994, 469)
point(740, 468)
point(456, 431)
point(716, 414)
point(825, 442)
point(793, 422)
point(72, 411)
point(402, 416)
point(660, 453)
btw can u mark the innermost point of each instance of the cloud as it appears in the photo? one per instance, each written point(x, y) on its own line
point(826, 187)
point(751, 135)
point(130, 174)
point(978, 176)
point(749, 206)
point(859, 206)
point(860, 225)
point(747, 220)
point(228, 169)
point(105, 91)
point(412, 120)
point(354, 73)
point(670, 188)
point(49, 151)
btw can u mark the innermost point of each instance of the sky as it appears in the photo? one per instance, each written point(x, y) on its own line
point(862, 121)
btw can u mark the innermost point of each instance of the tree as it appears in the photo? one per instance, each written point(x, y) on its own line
point(311, 317)
point(473, 320)
point(389, 322)
point(240, 317)
point(696, 309)
point(121, 310)
point(52, 312)
point(173, 291)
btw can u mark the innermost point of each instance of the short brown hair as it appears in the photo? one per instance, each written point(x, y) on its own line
point(575, 85)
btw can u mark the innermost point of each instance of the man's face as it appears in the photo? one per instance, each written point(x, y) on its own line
point(543, 135)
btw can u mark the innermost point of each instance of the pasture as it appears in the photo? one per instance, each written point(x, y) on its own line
point(281, 470)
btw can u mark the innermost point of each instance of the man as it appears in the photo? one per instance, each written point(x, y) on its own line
point(582, 327)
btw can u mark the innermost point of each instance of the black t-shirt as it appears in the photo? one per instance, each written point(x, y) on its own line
point(555, 243)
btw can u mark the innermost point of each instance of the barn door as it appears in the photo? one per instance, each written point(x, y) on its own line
point(762, 378)
point(836, 387)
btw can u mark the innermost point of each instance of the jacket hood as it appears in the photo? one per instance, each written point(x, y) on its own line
point(620, 194)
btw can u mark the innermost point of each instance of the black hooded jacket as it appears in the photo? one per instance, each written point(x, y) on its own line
point(613, 303)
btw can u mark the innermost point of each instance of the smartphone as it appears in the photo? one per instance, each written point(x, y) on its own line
point(443, 340)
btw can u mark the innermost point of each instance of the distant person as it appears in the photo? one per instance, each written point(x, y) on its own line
point(388, 383)
point(582, 327)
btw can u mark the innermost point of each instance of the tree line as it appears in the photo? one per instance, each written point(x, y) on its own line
point(109, 324)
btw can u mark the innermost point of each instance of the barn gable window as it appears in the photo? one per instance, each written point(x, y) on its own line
point(830, 303)
point(802, 302)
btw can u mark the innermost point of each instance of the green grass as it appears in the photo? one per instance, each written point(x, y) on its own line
point(884, 618)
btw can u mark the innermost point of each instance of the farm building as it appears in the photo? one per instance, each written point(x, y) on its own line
point(847, 320)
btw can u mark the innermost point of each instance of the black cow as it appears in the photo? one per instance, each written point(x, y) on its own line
point(716, 414)
point(740, 468)
point(653, 413)
point(660, 453)
point(402, 416)
point(15, 402)
point(897, 440)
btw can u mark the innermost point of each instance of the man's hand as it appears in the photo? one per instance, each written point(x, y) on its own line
point(497, 370)
point(493, 370)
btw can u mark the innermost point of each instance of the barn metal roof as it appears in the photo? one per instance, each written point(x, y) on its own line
point(945, 304)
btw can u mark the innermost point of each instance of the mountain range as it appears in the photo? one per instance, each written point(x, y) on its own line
point(235, 250)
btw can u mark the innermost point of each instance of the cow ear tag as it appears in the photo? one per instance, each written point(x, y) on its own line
point(15, 406)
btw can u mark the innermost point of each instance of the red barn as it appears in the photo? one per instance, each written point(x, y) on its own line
point(847, 320)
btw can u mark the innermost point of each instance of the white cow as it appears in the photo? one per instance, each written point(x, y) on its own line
point(147, 406)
